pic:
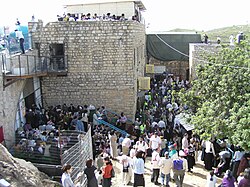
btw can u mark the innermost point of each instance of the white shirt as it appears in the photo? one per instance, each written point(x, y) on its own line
point(154, 123)
point(184, 143)
point(40, 149)
point(132, 153)
point(238, 155)
point(71, 19)
point(155, 160)
point(66, 180)
point(126, 142)
point(141, 146)
point(155, 142)
point(19, 34)
point(209, 148)
point(169, 106)
point(85, 117)
point(175, 156)
point(166, 165)
point(161, 124)
point(124, 160)
point(231, 39)
point(211, 183)
point(138, 165)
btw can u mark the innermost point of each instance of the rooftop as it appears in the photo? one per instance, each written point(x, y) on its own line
point(87, 2)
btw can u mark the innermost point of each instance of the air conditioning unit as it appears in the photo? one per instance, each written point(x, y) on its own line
point(150, 68)
point(144, 83)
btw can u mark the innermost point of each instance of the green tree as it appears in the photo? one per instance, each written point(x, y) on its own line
point(219, 98)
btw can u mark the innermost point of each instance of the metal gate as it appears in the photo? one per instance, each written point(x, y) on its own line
point(77, 155)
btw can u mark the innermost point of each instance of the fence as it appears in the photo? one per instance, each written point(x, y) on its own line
point(32, 64)
point(66, 146)
point(77, 155)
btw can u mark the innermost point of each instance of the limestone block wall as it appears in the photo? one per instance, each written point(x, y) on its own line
point(9, 98)
point(197, 54)
point(177, 68)
point(104, 60)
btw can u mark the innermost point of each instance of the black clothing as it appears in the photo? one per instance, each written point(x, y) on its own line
point(90, 172)
point(139, 180)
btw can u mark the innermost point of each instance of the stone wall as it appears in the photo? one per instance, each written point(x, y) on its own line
point(104, 60)
point(197, 53)
point(9, 98)
point(177, 68)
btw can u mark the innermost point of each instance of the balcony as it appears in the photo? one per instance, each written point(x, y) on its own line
point(21, 67)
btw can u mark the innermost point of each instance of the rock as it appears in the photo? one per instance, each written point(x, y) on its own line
point(20, 173)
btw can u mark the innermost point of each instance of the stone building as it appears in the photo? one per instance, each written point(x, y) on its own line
point(82, 62)
point(103, 61)
point(197, 55)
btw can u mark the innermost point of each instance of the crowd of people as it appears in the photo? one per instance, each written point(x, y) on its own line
point(156, 135)
point(95, 17)
point(173, 150)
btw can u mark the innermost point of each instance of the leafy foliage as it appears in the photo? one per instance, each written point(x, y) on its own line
point(220, 96)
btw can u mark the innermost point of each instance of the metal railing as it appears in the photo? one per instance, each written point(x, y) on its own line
point(112, 127)
point(32, 65)
point(114, 113)
point(70, 146)
point(77, 156)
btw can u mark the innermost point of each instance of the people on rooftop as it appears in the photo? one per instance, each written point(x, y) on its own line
point(95, 17)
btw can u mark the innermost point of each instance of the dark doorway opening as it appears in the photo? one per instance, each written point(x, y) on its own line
point(30, 100)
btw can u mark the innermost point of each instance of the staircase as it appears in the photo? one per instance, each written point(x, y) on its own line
point(112, 127)
point(123, 132)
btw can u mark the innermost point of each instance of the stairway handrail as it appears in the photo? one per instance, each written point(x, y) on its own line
point(100, 121)
point(112, 112)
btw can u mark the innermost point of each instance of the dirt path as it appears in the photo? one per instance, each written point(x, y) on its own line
point(196, 179)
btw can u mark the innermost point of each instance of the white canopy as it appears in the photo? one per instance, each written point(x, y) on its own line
point(182, 119)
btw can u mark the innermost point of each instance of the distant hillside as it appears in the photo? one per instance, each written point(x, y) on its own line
point(182, 30)
point(223, 33)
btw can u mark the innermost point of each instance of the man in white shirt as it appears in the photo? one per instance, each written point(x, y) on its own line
point(126, 143)
point(155, 141)
point(141, 145)
point(161, 124)
point(154, 124)
point(166, 165)
point(155, 160)
point(20, 37)
point(184, 142)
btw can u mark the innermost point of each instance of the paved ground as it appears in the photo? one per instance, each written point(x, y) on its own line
point(195, 179)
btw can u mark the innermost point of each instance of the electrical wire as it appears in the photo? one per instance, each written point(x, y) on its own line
point(207, 62)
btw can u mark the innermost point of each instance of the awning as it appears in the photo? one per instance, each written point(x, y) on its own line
point(170, 47)
point(182, 119)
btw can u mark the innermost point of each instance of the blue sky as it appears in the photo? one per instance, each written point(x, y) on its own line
point(161, 14)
